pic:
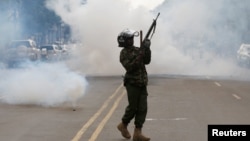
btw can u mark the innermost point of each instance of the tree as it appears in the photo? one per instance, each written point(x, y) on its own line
point(36, 18)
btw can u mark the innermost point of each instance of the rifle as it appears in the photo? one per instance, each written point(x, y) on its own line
point(152, 27)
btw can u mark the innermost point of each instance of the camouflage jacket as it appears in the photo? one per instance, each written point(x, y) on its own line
point(134, 59)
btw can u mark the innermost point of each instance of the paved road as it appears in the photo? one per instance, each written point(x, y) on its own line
point(180, 109)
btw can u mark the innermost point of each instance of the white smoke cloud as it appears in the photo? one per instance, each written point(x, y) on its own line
point(42, 84)
point(207, 35)
point(193, 37)
point(149, 4)
point(97, 25)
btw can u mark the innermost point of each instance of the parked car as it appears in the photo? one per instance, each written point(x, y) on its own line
point(65, 54)
point(21, 50)
point(50, 52)
point(243, 55)
point(64, 51)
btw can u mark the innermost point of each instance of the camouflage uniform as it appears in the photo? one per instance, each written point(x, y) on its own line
point(134, 60)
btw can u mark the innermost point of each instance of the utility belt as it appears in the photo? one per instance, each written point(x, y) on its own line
point(133, 82)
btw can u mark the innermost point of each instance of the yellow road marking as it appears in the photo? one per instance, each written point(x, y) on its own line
point(236, 96)
point(95, 116)
point(107, 117)
point(218, 84)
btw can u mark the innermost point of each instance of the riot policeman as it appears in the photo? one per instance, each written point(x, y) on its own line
point(134, 59)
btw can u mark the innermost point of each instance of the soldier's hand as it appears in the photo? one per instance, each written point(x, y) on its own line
point(146, 43)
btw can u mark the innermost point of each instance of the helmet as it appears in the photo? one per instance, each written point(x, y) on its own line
point(126, 35)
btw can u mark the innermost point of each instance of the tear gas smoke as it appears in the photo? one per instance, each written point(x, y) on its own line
point(193, 37)
point(149, 4)
point(96, 25)
point(45, 84)
point(41, 84)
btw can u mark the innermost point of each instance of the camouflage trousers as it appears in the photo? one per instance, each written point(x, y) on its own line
point(137, 105)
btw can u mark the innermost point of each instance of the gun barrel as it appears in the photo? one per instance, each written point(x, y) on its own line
point(157, 16)
point(152, 26)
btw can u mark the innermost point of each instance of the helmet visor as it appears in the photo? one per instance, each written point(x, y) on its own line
point(128, 33)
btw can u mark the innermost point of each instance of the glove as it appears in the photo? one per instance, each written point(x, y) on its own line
point(146, 43)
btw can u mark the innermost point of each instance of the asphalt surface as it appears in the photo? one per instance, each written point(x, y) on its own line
point(180, 109)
